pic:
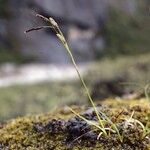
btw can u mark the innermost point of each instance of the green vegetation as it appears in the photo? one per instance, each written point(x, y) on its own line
point(127, 34)
point(14, 57)
point(33, 99)
point(135, 69)
point(3, 7)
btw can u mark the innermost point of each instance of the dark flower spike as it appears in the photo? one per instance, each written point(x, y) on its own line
point(36, 29)
point(52, 25)
point(51, 21)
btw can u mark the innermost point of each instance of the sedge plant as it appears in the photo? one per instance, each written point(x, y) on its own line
point(100, 125)
point(132, 121)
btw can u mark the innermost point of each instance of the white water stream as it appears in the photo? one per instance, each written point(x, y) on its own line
point(11, 74)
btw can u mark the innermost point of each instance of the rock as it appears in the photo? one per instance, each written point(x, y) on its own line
point(48, 131)
point(3, 33)
point(88, 17)
point(81, 12)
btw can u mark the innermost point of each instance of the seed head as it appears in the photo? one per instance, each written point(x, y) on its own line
point(42, 17)
point(53, 22)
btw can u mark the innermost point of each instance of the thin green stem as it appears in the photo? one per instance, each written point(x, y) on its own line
point(83, 83)
point(63, 40)
point(53, 24)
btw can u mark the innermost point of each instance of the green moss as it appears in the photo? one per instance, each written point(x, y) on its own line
point(20, 133)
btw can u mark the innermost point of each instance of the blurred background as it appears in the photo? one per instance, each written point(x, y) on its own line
point(110, 40)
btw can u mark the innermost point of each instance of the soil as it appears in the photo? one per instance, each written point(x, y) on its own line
point(61, 129)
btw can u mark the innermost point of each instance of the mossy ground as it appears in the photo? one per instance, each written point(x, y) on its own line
point(61, 130)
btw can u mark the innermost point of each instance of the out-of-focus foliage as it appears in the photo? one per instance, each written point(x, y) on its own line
point(13, 56)
point(33, 99)
point(126, 34)
point(3, 7)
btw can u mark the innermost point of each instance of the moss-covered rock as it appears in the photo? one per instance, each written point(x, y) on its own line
point(62, 130)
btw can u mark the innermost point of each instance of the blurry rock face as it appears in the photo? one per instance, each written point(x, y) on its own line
point(3, 32)
point(82, 21)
